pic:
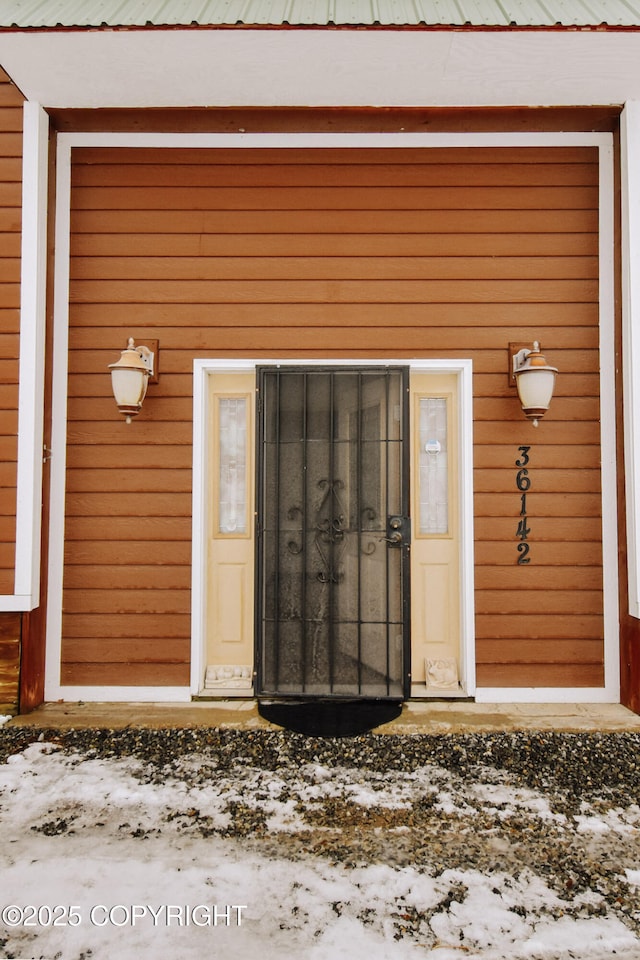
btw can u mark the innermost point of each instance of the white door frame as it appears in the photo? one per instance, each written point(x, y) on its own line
point(54, 689)
point(203, 369)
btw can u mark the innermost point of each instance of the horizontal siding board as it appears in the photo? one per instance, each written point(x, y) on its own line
point(538, 504)
point(9, 295)
point(124, 554)
point(295, 175)
point(330, 268)
point(283, 198)
point(9, 368)
point(10, 170)
point(544, 529)
point(132, 627)
point(121, 650)
point(176, 433)
point(7, 530)
point(179, 362)
point(121, 529)
point(539, 626)
point(94, 349)
point(10, 144)
point(121, 576)
point(165, 457)
point(546, 481)
point(102, 409)
point(496, 554)
point(486, 325)
point(9, 424)
point(564, 408)
point(429, 253)
point(10, 116)
point(125, 675)
point(177, 245)
point(7, 556)
point(145, 433)
point(9, 94)
point(554, 602)
point(331, 221)
point(538, 577)
point(138, 505)
point(10, 220)
point(336, 290)
point(8, 498)
point(9, 343)
point(162, 601)
point(559, 433)
point(132, 480)
point(11, 194)
point(540, 675)
point(9, 270)
point(558, 651)
point(8, 398)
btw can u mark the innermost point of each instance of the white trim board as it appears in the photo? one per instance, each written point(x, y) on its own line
point(53, 688)
point(202, 369)
point(33, 276)
point(630, 185)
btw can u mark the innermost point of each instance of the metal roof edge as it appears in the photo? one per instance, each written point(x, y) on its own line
point(329, 26)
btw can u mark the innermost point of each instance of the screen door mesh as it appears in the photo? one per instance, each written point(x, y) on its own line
point(332, 605)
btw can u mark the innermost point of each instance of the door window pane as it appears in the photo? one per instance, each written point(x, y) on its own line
point(232, 480)
point(433, 466)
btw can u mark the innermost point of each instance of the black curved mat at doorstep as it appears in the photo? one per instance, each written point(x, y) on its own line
point(329, 718)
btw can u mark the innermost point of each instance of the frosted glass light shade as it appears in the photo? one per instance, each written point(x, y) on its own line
point(129, 378)
point(535, 381)
point(535, 388)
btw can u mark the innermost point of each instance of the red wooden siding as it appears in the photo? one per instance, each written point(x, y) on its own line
point(10, 218)
point(10, 221)
point(335, 253)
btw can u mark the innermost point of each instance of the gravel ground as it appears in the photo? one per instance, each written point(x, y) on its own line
point(565, 807)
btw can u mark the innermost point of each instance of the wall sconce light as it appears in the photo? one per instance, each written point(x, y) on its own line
point(130, 376)
point(535, 381)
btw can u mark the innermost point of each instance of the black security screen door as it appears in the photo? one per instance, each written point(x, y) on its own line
point(333, 531)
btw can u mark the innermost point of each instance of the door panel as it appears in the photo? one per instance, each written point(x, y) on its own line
point(435, 552)
point(332, 572)
point(231, 543)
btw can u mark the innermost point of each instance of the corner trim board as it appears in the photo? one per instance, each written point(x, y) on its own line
point(33, 278)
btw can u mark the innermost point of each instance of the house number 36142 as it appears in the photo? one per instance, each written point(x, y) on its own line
point(523, 483)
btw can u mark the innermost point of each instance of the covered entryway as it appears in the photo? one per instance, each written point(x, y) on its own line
point(333, 533)
point(350, 253)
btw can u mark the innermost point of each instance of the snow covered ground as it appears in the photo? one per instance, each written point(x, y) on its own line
point(105, 858)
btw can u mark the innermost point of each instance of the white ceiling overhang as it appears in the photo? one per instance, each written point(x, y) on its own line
point(321, 67)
